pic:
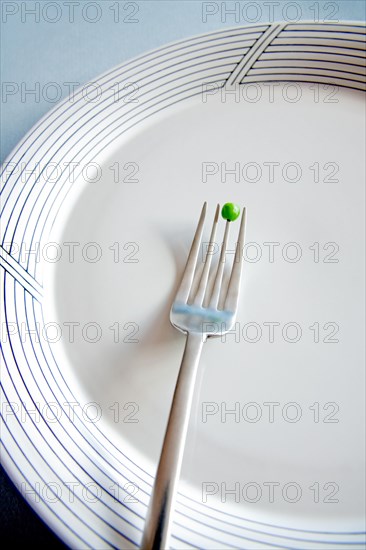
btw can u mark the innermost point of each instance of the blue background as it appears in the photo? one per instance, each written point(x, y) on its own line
point(47, 44)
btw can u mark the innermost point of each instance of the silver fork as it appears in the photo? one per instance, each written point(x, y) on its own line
point(198, 322)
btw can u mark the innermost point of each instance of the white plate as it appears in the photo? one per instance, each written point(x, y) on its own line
point(126, 164)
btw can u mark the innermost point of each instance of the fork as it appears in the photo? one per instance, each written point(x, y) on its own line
point(198, 321)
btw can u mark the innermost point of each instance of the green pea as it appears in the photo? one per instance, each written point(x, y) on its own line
point(230, 211)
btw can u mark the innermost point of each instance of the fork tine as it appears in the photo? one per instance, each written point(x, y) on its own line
point(214, 300)
point(232, 296)
point(200, 294)
point(186, 283)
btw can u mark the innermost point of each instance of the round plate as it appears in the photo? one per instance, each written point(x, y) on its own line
point(99, 206)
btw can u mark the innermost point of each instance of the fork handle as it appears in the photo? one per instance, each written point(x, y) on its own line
point(161, 507)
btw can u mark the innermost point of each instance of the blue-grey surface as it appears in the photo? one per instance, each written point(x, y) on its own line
point(48, 48)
